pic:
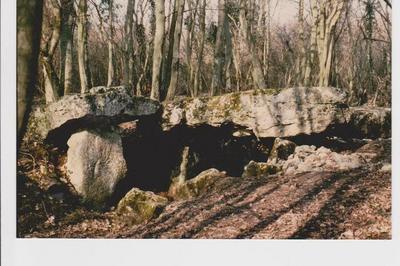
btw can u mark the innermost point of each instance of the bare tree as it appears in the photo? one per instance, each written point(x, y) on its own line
point(128, 42)
point(66, 44)
point(329, 12)
point(180, 4)
point(111, 48)
point(83, 59)
point(257, 73)
point(200, 44)
point(158, 48)
point(301, 59)
point(219, 51)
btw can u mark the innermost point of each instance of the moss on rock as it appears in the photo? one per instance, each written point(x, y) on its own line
point(196, 186)
point(255, 169)
point(139, 206)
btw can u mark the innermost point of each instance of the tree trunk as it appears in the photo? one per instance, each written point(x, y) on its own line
point(128, 57)
point(52, 86)
point(369, 28)
point(228, 55)
point(201, 39)
point(66, 45)
point(329, 14)
point(190, 62)
point(301, 59)
point(219, 52)
point(175, 51)
point(83, 60)
point(51, 81)
point(311, 55)
point(257, 73)
point(29, 24)
point(158, 47)
point(267, 39)
point(111, 59)
point(169, 48)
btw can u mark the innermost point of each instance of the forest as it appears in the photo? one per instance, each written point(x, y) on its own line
point(204, 118)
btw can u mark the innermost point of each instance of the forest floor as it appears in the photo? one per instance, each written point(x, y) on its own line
point(352, 204)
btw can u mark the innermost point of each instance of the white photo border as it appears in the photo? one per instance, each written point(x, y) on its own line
point(60, 252)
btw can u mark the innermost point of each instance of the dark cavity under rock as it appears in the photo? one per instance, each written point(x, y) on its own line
point(154, 156)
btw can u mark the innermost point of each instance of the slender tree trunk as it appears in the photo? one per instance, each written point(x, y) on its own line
point(169, 47)
point(311, 55)
point(301, 59)
point(143, 74)
point(190, 60)
point(158, 48)
point(330, 12)
point(201, 39)
point(175, 53)
point(68, 67)
point(128, 58)
point(29, 24)
point(257, 73)
point(66, 45)
point(236, 57)
point(111, 59)
point(219, 52)
point(267, 39)
point(228, 55)
point(369, 29)
point(51, 81)
point(83, 60)
point(52, 86)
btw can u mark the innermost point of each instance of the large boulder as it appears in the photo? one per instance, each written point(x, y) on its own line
point(288, 113)
point(95, 164)
point(370, 122)
point(99, 108)
point(138, 206)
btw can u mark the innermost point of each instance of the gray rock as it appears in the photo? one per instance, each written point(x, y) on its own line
point(95, 164)
point(309, 159)
point(291, 112)
point(183, 190)
point(370, 122)
point(100, 107)
point(259, 169)
point(282, 149)
point(138, 206)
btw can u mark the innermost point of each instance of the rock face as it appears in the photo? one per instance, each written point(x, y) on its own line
point(291, 112)
point(196, 186)
point(138, 206)
point(95, 164)
point(99, 107)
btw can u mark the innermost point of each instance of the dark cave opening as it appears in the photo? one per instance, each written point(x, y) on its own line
point(153, 156)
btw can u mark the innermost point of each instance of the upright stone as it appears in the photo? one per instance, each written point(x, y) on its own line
point(95, 164)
